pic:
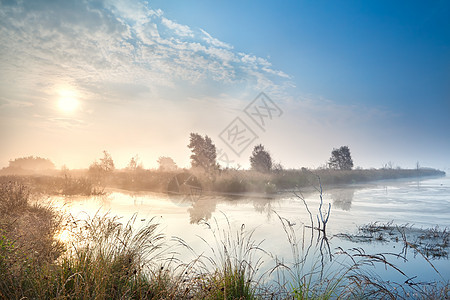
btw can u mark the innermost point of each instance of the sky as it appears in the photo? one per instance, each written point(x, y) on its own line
point(299, 77)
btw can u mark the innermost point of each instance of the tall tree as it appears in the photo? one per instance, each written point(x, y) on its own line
point(260, 160)
point(166, 164)
point(203, 152)
point(341, 159)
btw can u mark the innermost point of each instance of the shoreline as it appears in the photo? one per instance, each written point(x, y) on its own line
point(234, 183)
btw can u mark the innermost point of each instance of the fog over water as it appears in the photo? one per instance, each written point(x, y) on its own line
point(420, 203)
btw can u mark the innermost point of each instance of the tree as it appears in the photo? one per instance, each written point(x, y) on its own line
point(99, 170)
point(203, 152)
point(166, 164)
point(31, 163)
point(134, 163)
point(260, 160)
point(106, 162)
point(277, 167)
point(341, 159)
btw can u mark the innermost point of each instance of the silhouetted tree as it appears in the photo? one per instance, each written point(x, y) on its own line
point(166, 164)
point(277, 168)
point(260, 160)
point(31, 163)
point(134, 163)
point(341, 159)
point(203, 152)
point(106, 162)
point(99, 170)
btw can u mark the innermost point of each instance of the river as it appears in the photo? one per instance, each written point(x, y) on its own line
point(423, 203)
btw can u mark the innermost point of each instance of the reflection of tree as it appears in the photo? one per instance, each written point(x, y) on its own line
point(202, 209)
point(262, 205)
point(342, 198)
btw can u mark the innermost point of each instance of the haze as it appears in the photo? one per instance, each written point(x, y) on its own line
point(80, 77)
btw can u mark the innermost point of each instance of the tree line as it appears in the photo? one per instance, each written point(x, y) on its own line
point(203, 157)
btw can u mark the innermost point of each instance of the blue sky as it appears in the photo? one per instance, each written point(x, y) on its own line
point(386, 53)
point(373, 75)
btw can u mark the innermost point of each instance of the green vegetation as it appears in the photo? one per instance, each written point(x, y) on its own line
point(341, 159)
point(264, 177)
point(260, 160)
point(45, 255)
point(228, 181)
point(203, 153)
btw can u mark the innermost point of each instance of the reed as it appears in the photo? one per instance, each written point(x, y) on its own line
point(231, 271)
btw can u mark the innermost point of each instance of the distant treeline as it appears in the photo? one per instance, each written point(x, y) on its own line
point(228, 181)
point(206, 174)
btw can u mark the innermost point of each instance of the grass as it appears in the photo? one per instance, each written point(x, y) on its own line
point(107, 259)
point(231, 271)
point(27, 240)
point(227, 181)
point(431, 242)
point(67, 185)
point(103, 258)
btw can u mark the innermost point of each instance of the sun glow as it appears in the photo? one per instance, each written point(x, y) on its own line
point(67, 101)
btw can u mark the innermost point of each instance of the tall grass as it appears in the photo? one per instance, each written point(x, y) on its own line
point(27, 240)
point(108, 259)
point(56, 185)
point(231, 271)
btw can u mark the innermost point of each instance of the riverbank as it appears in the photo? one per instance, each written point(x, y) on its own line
point(228, 181)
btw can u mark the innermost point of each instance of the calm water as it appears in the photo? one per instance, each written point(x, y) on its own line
point(422, 202)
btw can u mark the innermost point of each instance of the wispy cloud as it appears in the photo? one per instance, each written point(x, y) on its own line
point(14, 103)
point(215, 42)
point(181, 30)
point(95, 44)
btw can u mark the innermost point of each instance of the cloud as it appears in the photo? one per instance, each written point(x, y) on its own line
point(115, 41)
point(137, 73)
point(215, 42)
point(179, 29)
point(14, 103)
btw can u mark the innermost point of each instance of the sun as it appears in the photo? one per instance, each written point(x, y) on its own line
point(67, 102)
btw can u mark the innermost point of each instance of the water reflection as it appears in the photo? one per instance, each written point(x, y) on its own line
point(264, 205)
point(342, 198)
point(202, 209)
